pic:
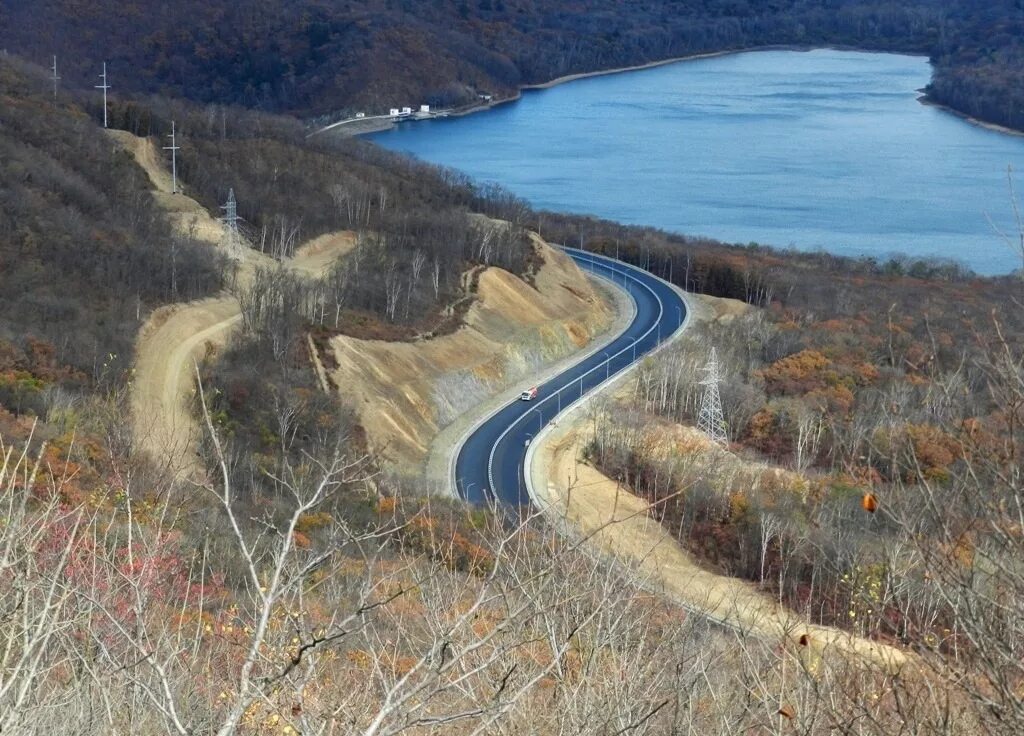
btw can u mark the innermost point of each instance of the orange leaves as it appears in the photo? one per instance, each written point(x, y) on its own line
point(827, 382)
point(866, 373)
point(921, 450)
point(307, 523)
point(796, 374)
point(869, 503)
point(764, 433)
point(442, 540)
point(837, 399)
point(934, 449)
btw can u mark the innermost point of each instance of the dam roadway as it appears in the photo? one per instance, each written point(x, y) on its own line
point(489, 466)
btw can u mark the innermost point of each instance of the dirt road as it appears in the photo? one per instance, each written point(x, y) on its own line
point(188, 216)
point(170, 344)
point(175, 338)
point(617, 523)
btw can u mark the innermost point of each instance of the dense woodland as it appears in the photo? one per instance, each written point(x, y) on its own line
point(314, 57)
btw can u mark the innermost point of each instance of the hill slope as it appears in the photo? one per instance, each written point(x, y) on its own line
point(314, 57)
point(83, 257)
point(405, 392)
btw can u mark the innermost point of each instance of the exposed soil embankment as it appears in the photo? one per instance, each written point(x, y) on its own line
point(405, 393)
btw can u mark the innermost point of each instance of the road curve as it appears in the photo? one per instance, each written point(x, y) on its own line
point(490, 463)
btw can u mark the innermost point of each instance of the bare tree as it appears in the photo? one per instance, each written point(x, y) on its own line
point(1015, 240)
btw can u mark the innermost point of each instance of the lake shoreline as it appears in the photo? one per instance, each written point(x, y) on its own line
point(924, 99)
point(381, 125)
point(705, 55)
point(825, 123)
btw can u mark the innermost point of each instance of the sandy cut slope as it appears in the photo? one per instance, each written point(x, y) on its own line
point(405, 393)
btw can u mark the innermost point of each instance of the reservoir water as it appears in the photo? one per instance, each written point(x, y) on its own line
point(815, 150)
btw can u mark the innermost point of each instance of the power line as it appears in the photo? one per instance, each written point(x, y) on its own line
point(104, 87)
point(174, 148)
point(711, 420)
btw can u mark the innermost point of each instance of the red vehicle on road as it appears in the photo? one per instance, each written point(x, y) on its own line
point(529, 394)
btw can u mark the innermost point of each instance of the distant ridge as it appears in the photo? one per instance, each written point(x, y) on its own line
point(321, 59)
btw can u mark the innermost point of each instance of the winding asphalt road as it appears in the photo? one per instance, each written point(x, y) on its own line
point(490, 463)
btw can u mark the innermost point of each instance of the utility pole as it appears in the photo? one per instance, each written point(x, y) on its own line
point(174, 148)
point(711, 420)
point(104, 87)
point(55, 78)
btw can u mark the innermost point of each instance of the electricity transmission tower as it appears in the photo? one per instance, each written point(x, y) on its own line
point(56, 78)
point(711, 421)
point(230, 221)
point(174, 148)
point(104, 87)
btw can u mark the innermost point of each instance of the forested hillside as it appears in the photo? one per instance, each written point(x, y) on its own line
point(86, 255)
point(314, 57)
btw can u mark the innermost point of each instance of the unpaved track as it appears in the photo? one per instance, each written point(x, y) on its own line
point(619, 525)
point(176, 338)
point(170, 344)
point(316, 257)
point(187, 215)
